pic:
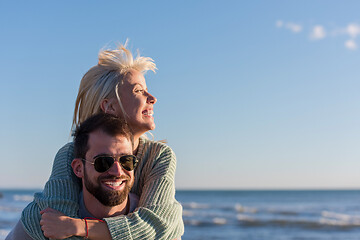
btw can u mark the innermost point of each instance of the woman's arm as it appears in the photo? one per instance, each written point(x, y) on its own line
point(61, 192)
point(58, 226)
point(159, 215)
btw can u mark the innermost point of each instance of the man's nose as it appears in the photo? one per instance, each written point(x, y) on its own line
point(116, 169)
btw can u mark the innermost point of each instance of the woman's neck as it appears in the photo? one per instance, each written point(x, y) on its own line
point(136, 144)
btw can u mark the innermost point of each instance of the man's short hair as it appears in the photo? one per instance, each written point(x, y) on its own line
point(109, 124)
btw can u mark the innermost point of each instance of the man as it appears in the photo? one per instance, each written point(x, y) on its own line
point(104, 162)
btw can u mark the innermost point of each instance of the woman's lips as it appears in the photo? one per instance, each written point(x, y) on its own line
point(148, 113)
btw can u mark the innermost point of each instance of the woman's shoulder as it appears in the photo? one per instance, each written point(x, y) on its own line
point(67, 147)
point(66, 151)
point(62, 161)
point(161, 143)
point(156, 153)
point(156, 146)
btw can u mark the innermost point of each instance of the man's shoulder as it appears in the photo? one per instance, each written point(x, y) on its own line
point(18, 233)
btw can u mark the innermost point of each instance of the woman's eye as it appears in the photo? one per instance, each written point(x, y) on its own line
point(139, 90)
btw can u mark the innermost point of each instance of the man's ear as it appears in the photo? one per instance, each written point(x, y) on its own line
point(108, 106)
point(78, 167)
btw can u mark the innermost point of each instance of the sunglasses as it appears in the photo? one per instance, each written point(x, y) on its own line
point(103, 163)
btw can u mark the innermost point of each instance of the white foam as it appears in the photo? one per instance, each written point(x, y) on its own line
point(334, 222)
point(240, 208)
point(339, 216)
point(188, 213)
point(339, 219)
point(23, 198)
point(4, 232)
point(10, 209)
point(219, 221)
point(196, 205)
point(194, 222)
point(245, 218)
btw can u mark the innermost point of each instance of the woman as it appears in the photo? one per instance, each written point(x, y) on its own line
point(116, 85)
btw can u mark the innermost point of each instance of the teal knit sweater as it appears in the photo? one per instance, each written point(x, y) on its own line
point(159, 215)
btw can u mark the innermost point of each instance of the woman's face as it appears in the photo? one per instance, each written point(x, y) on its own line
point(137, 102)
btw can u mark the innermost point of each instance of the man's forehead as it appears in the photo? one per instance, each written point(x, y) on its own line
point(101, 141)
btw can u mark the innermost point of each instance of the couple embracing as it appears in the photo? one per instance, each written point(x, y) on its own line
point(111, 182)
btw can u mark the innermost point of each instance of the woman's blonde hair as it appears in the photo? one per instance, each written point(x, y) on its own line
point(102, 80)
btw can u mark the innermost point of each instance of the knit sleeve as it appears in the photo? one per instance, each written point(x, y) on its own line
point(159, 215)
point(61, 192)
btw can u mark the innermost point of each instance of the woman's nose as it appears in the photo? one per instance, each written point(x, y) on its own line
point(151, 99)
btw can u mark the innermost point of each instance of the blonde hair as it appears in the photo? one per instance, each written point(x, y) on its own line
point(102, 80)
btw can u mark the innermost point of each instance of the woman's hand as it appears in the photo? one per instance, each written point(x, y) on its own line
point(56, 225)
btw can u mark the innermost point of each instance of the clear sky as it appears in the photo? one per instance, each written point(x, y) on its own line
point(251, 94)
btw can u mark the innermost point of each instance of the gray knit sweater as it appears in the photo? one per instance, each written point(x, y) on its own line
point(159, 215)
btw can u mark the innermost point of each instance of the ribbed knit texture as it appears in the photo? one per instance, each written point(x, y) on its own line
point(159, 215)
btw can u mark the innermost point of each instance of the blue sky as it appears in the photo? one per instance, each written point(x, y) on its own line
point(251, 94)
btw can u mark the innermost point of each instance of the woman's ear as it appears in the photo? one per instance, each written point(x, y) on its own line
point(78, 167)
point(108, 106)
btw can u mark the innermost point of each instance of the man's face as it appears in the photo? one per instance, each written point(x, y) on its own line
point(113, 186)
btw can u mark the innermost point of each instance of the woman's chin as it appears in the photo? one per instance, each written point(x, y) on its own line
point(150, 128)
point(139, 130)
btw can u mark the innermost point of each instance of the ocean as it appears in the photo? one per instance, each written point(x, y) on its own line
point(250, 215)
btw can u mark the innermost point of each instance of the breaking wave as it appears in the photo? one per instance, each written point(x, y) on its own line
point(198, 214)
point(23, 198)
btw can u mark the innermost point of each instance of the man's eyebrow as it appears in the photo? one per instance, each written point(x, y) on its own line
point(102, 154)
point(111, 155)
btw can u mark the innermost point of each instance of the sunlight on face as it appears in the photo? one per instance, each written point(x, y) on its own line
point(137, 102)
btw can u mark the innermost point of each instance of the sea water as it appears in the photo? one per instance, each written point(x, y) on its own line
point(249, 215)
point(12, 202)
point(263, 215)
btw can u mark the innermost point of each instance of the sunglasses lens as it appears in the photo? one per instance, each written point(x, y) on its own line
point(103, 163)
point(128, 162)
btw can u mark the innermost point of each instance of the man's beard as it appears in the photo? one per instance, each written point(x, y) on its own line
point(107, 197)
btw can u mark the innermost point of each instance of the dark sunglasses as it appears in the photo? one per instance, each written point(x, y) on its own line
point(103, 163)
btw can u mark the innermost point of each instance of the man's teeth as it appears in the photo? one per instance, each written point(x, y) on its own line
point(115, 184)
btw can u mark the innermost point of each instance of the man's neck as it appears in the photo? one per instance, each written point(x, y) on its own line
point(100, 211)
